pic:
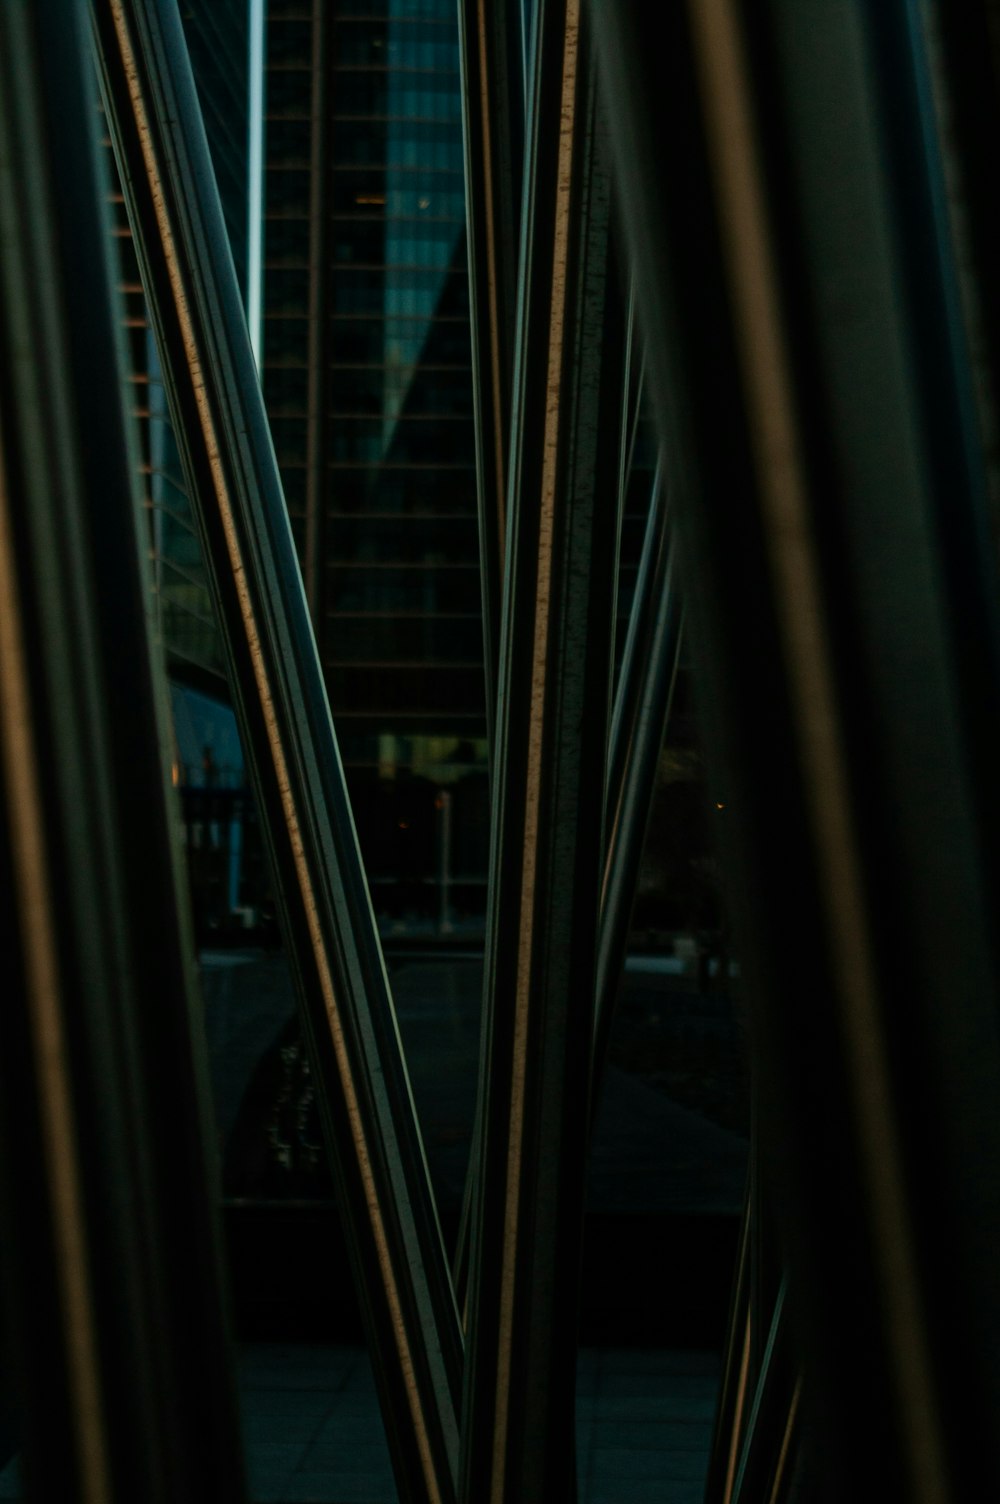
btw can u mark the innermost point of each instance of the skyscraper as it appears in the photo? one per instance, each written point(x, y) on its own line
point(366, 368)
point(368, 383)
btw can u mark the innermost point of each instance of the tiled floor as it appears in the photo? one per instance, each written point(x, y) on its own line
point(312, 1426)
point(314, 1432)
point(314, 1435)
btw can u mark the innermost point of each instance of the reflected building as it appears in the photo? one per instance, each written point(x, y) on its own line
point(366, 368)
point(367, 378)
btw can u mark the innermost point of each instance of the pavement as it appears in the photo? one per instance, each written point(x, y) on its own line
point(657, 1149)
point(644, 1423)
point(313, 1433)
point(668, 1161)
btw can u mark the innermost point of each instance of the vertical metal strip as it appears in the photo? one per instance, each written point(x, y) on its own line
point(638, 726)
point(728, 1426)
point(718, 55)
point(493, 140)
point(37, 916)
point(634, 649)
point(496, 109)
point(317, 421)
point(493, 147)
point(372, 1131)
point(558, 591)
point(827, 494)
point(764, 1446)
point(788, 1451)
point(631, 405)
point(112, 1242)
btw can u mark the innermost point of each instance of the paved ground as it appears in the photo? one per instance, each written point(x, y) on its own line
point(656, 1149)
point(314, 1433)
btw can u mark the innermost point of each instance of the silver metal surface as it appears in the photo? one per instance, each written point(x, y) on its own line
point(518, 1428)
point(492, 93)
point(281, 704)
point(110, 1239)
point(809, 379)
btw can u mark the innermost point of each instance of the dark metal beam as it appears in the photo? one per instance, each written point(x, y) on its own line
point(811, 385)
point(493, 121)
point(284, 717)
point(653, 571)
point(964, 83)
point(641, 711)
point(518, 1416)
point(766, 1456)
point(631, 403)
point(735, 1389)
point(111, 1243)
point(318, 356)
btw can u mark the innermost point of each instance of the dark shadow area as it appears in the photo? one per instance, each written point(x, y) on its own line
point(667, 1173)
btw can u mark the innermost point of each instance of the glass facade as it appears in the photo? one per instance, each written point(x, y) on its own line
point(366, 370)
point(366, 315)
point(368, 383)
point(217, 40)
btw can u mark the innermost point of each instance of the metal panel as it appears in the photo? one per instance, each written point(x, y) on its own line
point(779, 187)
point(964, 83)
point(110, 1238)
point(284, 715)
point(518, 1431)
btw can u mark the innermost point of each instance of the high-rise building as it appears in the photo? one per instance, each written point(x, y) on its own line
point(366, 369)
point(208, 761)
point(219, 43)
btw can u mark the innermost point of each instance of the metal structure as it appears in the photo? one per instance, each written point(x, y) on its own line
point(806, 223)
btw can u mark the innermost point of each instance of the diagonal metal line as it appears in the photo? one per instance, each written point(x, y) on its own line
point(763, 1454)
point(641, 711)
point(640, 716)
point(112, 1245)
point(320, 293)
point(641, 707)
point(631, 392)
point(493, 135)
point(727, 1432)
point(496, 104)
point(518, 1432)
point(493, 119)
point(755, 1428)
point(653, 571)
point(281, 702)
point(789, 1451)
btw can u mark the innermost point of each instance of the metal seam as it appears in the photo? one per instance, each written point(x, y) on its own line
point(550, 456)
